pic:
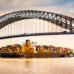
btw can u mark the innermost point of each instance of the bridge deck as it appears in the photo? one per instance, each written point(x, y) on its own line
point(37, 34)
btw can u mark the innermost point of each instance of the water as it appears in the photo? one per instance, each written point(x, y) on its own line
point(37, 66)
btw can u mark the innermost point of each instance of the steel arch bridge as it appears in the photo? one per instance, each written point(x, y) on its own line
point(58, 19)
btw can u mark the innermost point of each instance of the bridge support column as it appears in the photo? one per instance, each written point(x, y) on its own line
point(71, 26)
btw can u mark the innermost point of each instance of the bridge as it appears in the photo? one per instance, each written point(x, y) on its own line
point(8, 25)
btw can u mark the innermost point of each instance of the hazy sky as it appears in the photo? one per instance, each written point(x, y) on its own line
point(65, 7)
point(19, 4)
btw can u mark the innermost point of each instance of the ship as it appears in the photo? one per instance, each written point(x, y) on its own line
point(32, 50)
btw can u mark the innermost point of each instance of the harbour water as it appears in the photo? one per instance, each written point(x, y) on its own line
point(37, 66)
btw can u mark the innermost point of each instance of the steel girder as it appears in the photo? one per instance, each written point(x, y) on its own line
point(58, 19)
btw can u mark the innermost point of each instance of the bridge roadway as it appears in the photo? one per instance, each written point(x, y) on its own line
point(37, 34)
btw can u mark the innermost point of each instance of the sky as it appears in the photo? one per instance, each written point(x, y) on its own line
point(65, 7)
point(19, 4)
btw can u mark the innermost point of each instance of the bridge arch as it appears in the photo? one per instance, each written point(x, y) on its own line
point(58, 19)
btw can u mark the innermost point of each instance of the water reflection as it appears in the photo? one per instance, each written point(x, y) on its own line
point(28, 65)
point(37, 66)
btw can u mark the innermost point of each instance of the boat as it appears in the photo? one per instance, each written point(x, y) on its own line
point(32, 50)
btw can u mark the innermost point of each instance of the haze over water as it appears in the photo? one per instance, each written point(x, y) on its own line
point(55, 40)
